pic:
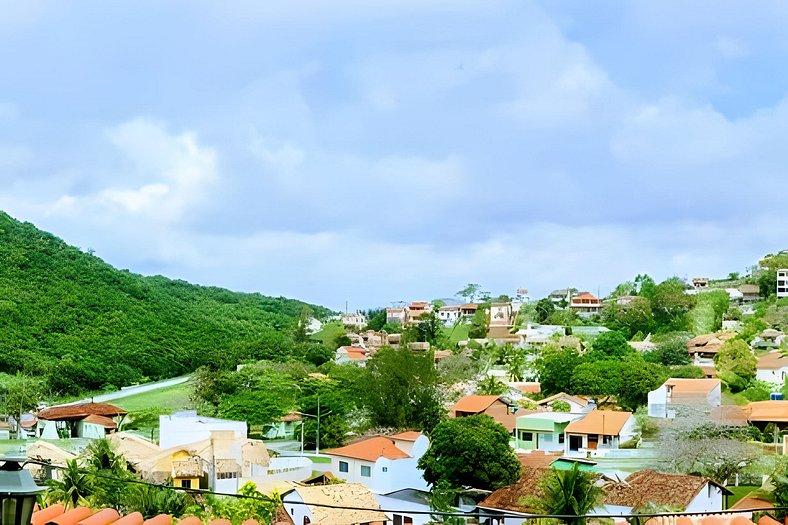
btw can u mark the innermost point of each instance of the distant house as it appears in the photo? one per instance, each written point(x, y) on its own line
point(54, 456)
point(493, 406)
point(323, 504)
point(696, 394)
point(585, 304)
point(707, 345)
point(396, 315)
point(577, 405)
point(761, 413)
point(599, 431)
point(557, 297)
point(351, 354)
point(85, 420)
point(468, 310)
point(354, 320)
point(501, 314)
point(412, 507)
point(678, 492)
point(543, 431)
point(750, 293)
point(700, 282)
point(782, 282)
point(183, 427)
point(416, 309)
point(384, 463)
point(449, 314)
point(772, 367)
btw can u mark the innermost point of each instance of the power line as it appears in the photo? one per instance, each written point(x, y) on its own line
point(497, 514)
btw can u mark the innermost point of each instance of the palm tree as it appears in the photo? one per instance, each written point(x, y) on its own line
point(570, 492)
point(74, 487)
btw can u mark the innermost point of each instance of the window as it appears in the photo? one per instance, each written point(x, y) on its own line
point(547, 438)
point(227, 475)
point(561, 438)
point(526, 436)
point(343, 466)
point(385, 469)
point(607, 440)
point(366, 471)
point(186, 483)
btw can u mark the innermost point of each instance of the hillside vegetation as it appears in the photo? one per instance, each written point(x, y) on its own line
point(71, 318)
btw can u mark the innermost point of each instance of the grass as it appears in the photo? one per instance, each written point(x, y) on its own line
point(329, 332)
point(456, 333)
point(738, 493)
point(168, 399)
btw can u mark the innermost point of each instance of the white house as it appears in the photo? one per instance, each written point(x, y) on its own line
point(449, 314)
point(409, 503)
point(539, 334)
point(383, 464)
point(186, 427)
point(684, 493)
point(598, 432)
point(354, 320)
point(782, 282)
point(772, 368)
point(316, 505)
point(697, 394)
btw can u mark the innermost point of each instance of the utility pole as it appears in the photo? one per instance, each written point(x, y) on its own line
point(317, 437)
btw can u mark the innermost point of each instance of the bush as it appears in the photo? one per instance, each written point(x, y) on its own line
point(561, 406)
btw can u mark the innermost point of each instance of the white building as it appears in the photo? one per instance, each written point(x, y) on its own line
point(697, 394)
point(782, 282)
point(383, 464)
point(772, 368)
point(354, 320)
point(449, 314)
point(598, 432)
point(186, 427)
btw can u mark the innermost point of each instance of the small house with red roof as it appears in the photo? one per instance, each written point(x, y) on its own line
point(351, 354)
point(383, 464)
point(493, 406)
point(85, 420)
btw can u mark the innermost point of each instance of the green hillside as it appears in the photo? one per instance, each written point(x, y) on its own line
point(83, 325)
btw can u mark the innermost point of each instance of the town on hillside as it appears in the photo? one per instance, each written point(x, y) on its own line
point(659, 399)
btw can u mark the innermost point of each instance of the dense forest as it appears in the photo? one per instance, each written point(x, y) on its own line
point(73, 319)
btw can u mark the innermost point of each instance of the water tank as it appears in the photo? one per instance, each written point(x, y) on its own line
point(776, 396)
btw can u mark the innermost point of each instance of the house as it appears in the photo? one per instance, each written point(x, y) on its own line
point(700, 282)
point(695, 394)
point(539, 334)
point(585, 304)
point(44, 452)
point(396, 315)
point(383, 464)
point(468, 310)
point(577, 405)
point(416, 309)
point(562, 297)
point(707, 345)
point(501, 314)
point(133, 448)
point(782, 282)
point(354, 320)
point(750, 293)
point(680, 493)
point(513, 500)
point(493, 406)
point(186, 427)
point(84, 420)
point(449, 314)
point(761, 413)
point(598, 432)
point(323, 505)
point(543, 431)
point(772, 367)
point(526, 387)
point(351, 354)
point(412, 506)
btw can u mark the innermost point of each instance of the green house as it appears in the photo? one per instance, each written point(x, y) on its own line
point(543, 431)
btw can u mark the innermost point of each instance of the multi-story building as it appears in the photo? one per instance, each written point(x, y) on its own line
point(782, 282)
point(585, 304)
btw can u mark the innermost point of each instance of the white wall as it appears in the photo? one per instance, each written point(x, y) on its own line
point(772, 376)
point(90, 430)
point(709, 499)
point(183, 428)
point(404, 506)
point(283, 468)
point(657, 402)
point(296, 509)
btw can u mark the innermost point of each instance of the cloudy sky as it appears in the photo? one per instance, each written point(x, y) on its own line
point(379, 151)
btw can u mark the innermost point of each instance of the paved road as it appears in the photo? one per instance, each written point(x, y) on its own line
point(132, 390)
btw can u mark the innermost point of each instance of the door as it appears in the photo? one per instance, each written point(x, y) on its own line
point(575, 443)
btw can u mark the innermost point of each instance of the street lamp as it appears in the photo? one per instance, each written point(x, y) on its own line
point(17, 492)
point(317, 437)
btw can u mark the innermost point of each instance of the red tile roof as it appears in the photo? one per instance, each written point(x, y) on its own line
point(474, 404)
point(370, 450)
point(100, 420)
point(80, 411)
point(411, 435)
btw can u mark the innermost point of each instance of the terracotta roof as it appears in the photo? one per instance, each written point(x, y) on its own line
point(411, 435)
point(535, 466)
point(474, 404)
point(100, 420)
point(709, 343)
point(348, 494)
point(767, 411)
point(80, 411)
point(85, 516)
point(527, 387)
point(469, 306)
point(750, 288)
point(605, 422)
point(290, 418)
point(370, 450)
point(646, 486)
point(692, 387)
point(772, 361)
point(563, 397)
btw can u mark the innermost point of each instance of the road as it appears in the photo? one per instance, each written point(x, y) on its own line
point(132, 390)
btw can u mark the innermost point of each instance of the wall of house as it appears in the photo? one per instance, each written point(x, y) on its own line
point(771, 376)
point(90, 430)
point(709, 499)
point(405, 507)
point(657, 404)
point(175, 430)
point(500, 412)
point(353, 475)
point(293, 504)
point(283, 468)
point(49, 429)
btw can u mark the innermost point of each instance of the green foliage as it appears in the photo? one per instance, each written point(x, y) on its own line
point(429, 329)
point(610, 345)
point(479, 324)
point(687, 372)
point(671, 305)
point(736, 357)
point(470, 451)
point(376, 319)
point(254, 505)
point(561, 406)
point(629, 319)
point(491, 386)
point(637, 380)
point(80, 324)
point(648, 428)
point(151, 501)
point(571, 492)
point(556, 366)
point(442, 498)
point(470, 291)
point(671, 351)
point(341, 340)
point(544, 307)
point(19, 393)
point(73, 488)
point(707, 314)
point(767, 278)
point(401, 390)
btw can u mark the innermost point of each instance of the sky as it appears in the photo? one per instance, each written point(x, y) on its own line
point(361, 153)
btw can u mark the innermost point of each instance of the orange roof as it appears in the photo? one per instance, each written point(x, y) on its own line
point(412, 435)
point(767, 411)
point(469, 306)
point(528, 387)
point(80, 411)
point(585, 295)
point(692, 387)
point(370, 450)
point(772, 361)
point(474, 404)
point(100, 420)
point(56, 514)
point(605, 422)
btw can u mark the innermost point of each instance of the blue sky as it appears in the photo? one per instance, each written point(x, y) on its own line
point(379, 151)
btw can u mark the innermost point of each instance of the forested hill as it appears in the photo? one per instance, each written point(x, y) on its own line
point(70, 317)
